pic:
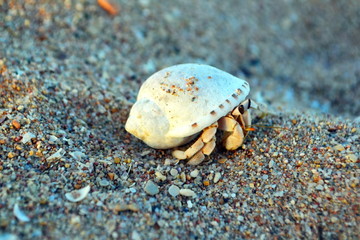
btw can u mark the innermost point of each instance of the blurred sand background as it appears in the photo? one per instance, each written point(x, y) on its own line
point(70, 72)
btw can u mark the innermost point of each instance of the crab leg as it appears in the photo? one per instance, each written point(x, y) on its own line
point(235, 135)
point(246, 117)
point(200, 155)
point(204, 145)
point(234, 124)
point(242, 113)
point(209, 146)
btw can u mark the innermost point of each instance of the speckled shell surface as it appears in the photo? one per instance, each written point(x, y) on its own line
point(189, 97)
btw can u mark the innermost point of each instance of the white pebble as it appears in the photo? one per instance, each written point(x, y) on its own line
point(240, 218)
point(271, 163)
point(144, 153)
point(104, 183)
point(20, 108)
point(279, 194)
point(160, 176)
point(101, 109)
point(151, 188)
point(189, 204)
point(135, 235)
point(27, 137)
point(194, 173)
point(217, 177)
point(130, 190)
point(53, 139)
point(171, 162)
point(174, 190)
point(77, 155)
point(20, 214)
point(174, 172)
point(78, 195)
point(187, 192)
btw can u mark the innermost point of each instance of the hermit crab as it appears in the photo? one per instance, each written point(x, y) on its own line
point(187, 101)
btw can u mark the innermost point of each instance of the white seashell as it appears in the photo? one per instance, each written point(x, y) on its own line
point(20, 214)
point(77, 155)
point(78, 195)
point(57, 155)
point(27, 137)
point(53, 139)
point(176, 103)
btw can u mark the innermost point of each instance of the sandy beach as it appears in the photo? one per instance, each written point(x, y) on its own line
point(71, 70)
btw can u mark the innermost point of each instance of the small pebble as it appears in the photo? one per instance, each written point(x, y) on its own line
point(240, 218)
point(104, 183)
point(77, 155)
point(174, 190)
point(171, 161)
point(160, 176)
point(27, 137)
point(125, 207)
point(194, 173)
point(339, 147)
point(279, 194)
point(111, 176)
point(187, 192)
point(174, 172)
point(183, 177)
point(222, 160)
point(217, 177)
point(20, 108)
point(117, 160)
point(144, 153)
point(16, 124)
point(352, 158)
point(151, 188)
point(53, 139)
point(19, 214)
point(271, 163)
point(135, 235)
